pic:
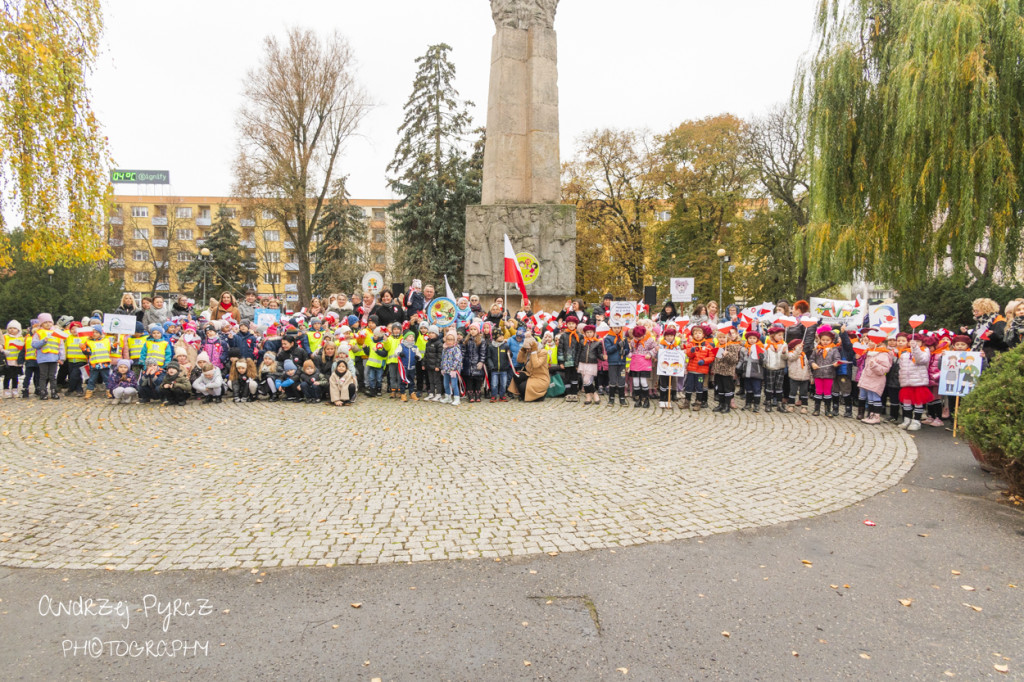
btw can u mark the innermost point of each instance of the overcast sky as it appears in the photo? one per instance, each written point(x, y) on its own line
point(168, 85)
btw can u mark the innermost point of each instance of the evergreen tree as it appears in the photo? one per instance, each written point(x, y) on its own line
point(342, 246)
point(915, 136)
point(433, 173)
point(229, 267)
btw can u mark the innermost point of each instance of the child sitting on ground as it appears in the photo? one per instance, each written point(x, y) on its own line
point(122, 385)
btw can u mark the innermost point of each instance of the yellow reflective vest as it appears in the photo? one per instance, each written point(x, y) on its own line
point(99, 351)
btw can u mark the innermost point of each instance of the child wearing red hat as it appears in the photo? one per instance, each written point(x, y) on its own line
point(700, 354)
point(913, 361)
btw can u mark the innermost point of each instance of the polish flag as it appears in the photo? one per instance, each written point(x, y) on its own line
point(512, 272)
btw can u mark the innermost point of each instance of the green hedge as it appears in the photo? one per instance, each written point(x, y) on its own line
point(947, 302)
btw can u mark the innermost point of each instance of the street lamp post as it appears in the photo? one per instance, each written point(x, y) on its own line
point(204, 258)
point(722, 258)
point(49, 271)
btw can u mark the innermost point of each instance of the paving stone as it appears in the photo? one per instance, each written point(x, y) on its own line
point(89, 485)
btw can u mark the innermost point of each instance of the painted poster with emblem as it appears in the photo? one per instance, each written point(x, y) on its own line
point(373, 282)
point(529, 266)
point(119, 324)
point(441, 312)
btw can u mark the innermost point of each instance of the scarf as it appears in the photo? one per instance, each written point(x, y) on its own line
point(1015, 328)
point(983, 324)
point(226, 306)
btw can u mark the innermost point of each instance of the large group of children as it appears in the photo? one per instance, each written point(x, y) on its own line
point(373, 345)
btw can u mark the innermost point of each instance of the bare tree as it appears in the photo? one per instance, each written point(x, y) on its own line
point(302, 104)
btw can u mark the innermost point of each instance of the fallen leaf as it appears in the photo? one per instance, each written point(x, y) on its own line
point(922, 535)
point(796, 654)
point(725, 633)
point(967, 587)
point(906, 602)
point(805, 562)
point(533, 572)
point(834, 587)
point(527, 663)
point(869, 522)
point(904, 490)
point(335, 627)
point(949, 673)
point(552, 553)
point(227, 611)
point(525, 623)
point(846, 586)
point(366, 663)
point(976, 608)
point(1001, 668)
point(356, 605)
point(955, 572)
point(622, 670)
point(865, 657)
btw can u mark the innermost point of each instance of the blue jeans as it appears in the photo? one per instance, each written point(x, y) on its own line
point(451, 385)
point(374, 377)
point(101, 373)
point(499, 384)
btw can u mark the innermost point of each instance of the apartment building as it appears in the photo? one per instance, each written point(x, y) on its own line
point(153, 238)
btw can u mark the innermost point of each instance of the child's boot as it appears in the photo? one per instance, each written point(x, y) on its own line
point(455, 399)
point(817, 408)
point(88, 394)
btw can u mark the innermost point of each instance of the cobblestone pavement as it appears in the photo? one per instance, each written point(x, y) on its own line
point(89, 485)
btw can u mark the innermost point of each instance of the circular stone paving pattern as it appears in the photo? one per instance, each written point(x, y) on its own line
point(88, 485)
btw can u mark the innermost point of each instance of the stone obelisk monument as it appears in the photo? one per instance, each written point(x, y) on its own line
point(521, 182)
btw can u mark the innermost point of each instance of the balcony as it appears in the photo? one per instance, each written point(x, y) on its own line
point(293, 223)
point(116, 220)
point(117, 263)
point(115, 242)
point(163, 286)
point(204, 222)
point(291, 297)
point(200, 242)
point(289, 245)
point(247, 222)
point(291, 267)
point(248, 243)
point(159, 243)
point(159, 221)
point(291, 287)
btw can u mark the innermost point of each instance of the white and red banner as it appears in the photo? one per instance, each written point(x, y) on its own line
point(513, 275)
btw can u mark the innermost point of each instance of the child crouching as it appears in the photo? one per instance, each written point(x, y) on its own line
point(244, 383)
point(122, 384)
point(343, 385)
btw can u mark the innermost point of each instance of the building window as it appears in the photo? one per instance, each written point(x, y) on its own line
point(140, 211)
point(140, 255)
point(204, 212)
point(271, 235)
point(140, 276)
point(293, 257)
point(183, 212)
point(378, 214)
point(227, 211)
point(184, 235)
point(379, 236)
point(185, 257)
point(267, 215)
point(273, 256)
point(381, 260)
point(161, 211)
point(271, 278)
point(140, 233)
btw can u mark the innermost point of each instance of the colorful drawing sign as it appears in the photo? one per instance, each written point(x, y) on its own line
point(621, 314)
point(838, 313)
point(529, 266)
point(682, 289)
point(959, 372)
point(671, 363)
point(441, 312)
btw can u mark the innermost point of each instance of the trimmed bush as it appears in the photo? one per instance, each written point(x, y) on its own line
point(992, 416)
point(947, 302)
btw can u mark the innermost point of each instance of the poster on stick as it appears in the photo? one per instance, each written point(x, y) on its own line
point(622, 314)
point(837, 313)
point(959, 372)
point(682, 289)
point(885, 316)
point(118, 324)
point(671, 363)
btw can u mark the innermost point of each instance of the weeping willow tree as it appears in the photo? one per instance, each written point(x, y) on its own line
point(917, 136)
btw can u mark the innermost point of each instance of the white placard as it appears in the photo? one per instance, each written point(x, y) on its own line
point(621, 314)
point(119, 324)
point(671, 362)
point(682, 289)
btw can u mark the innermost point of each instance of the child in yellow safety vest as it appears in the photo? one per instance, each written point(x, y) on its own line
point(48, 343)
point(101, 350)
point(77, 360)
point(13, 347)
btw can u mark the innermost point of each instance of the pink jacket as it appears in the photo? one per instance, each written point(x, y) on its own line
point(872, 377)
point(640, 355)
point(914, 367)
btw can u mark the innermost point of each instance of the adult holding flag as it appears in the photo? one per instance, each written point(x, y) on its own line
point(512, 273)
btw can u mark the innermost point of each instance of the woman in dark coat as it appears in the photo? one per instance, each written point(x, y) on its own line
point(128, 307)
point(387, 310)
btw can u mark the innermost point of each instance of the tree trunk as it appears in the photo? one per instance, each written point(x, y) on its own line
point(801, 280)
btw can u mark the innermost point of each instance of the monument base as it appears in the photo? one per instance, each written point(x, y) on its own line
point(547, 231)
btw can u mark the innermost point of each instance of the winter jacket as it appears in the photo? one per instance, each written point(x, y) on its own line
point(217, 350)
point(388, 313)
point(913, 367)
point(316, 378)
point(750, 361)
point(472, 356)
point(118, 380)
point(203, 383)
point(324, 364)
point(246, 312)
point(700, 356)
point(846, 354)
point(432, 354)
point(642, 354)
point(616, 350)
point(934, 365)
point(451, 359)
point(408, 357)
point(246, 343)
point(825, 357)
point(875, 366)
point(39, 342)
point(797, 365)
point(178, 383)
point(727, 359)
point(514, 344)
point(775, 356)
point(570, 344)
point(498, 357)
point(339, 385)
point(591, 352)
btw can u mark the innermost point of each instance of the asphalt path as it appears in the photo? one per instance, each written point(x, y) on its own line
point(816, 599)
